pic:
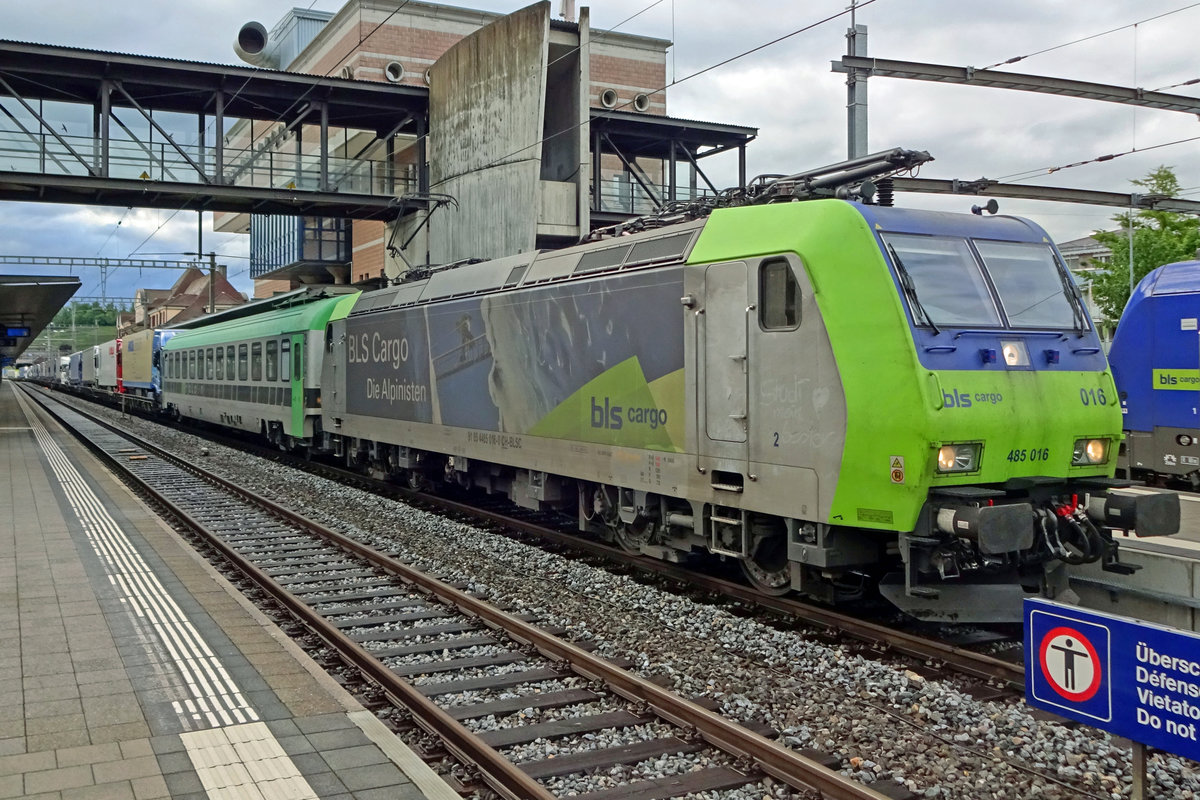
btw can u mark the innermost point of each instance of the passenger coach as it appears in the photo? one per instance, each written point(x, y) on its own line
point(256, 373)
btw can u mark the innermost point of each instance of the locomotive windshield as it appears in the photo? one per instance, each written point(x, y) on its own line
point(1030, 284)
point(952, 282)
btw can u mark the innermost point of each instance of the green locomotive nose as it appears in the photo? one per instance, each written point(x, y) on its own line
point(976, 415)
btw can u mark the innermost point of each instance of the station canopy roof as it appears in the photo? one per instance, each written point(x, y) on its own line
point(27, 304)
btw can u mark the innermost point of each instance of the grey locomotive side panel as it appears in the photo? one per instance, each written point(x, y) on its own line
point(584, 360)
point(387, 366)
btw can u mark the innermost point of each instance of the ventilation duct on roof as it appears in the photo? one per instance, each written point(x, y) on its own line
point(251, 45)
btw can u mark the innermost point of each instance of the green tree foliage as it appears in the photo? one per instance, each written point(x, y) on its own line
point(89, 314)
point(1159, 237)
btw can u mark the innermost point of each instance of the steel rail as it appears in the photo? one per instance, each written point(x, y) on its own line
point(501, 774)
point(965, 661)
point(959, 659)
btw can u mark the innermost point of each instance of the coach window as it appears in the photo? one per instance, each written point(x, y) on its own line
point(285, 360)
point(192, 365)
point(229, 362)
point(220, 363)
point(256, 361)
point(272, 360)
point(243, 362)
point(778, 296)
point(208, 364)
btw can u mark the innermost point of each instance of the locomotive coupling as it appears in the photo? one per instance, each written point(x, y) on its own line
point(996, 529)
point(1144, 511)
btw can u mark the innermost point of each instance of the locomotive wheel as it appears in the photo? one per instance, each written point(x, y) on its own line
point(416, 480)
point(767, 567)
point(631, 536)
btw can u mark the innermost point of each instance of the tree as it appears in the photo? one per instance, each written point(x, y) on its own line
point(1159, 237)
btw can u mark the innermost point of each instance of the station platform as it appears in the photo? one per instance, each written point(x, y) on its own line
point(132, 669)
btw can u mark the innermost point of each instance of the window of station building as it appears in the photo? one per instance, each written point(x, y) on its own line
point(220, 363)
point(243, 362)
point(285, 360)
point(272, 360)
point(208, 364)
point(778, 296)
point(256, 361)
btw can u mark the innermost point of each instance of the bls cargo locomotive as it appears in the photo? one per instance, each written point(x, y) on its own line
point(1156, 363)
point(836, 395)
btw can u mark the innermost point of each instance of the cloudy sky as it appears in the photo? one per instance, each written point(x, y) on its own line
point(787, 90)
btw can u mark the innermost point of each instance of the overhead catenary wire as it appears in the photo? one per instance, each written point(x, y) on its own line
point(1015, 59)
point(1033, 173)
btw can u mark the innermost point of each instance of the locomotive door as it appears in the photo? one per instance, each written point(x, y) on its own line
point(725, 357)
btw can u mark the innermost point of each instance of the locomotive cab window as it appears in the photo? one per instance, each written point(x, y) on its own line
point(941, 280)
point(272, 360)
point(778, 296)
point(243, 362)
point(1032, 287)
point(285, 360)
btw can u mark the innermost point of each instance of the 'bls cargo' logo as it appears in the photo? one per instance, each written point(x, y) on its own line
point(606, 416)
point(956, 399)
point(613, 417)
point(1167, 380)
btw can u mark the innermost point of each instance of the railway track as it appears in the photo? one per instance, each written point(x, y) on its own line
point(447, 657)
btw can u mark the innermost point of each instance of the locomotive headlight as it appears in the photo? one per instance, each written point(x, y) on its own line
point(1015, 353)
point(958, 457)
point(1089, 451)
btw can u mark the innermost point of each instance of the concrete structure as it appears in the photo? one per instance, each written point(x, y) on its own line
point(509, 108)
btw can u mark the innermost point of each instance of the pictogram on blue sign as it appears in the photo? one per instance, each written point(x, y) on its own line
point(1132, 678)
point(1072, 664)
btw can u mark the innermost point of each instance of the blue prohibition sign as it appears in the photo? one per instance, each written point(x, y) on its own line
point(1072, 667)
